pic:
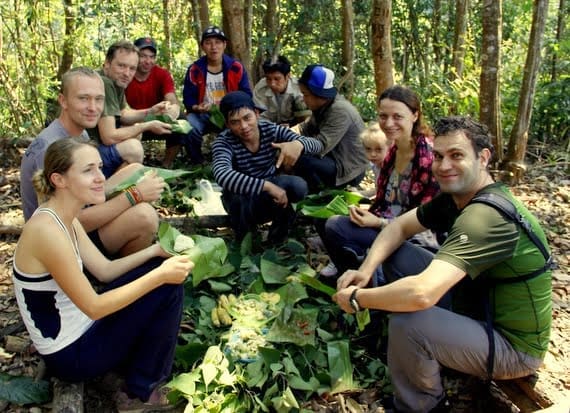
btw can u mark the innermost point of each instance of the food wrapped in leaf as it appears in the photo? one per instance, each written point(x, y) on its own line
point(178, 125)
point(208, 253)
point(216, 117)
point(183, 243)
point(167, 174)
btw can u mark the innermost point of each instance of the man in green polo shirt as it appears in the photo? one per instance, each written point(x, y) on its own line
point(500, 280)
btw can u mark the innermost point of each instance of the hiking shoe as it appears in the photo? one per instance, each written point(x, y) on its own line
point(157, 402)
point(330, 270)
point(316, 243)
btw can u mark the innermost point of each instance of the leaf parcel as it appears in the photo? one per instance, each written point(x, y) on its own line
point(208, 253)
point(178, 125)
point(167, 174)
point(216, 117)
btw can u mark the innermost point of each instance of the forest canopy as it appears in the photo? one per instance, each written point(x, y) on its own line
point(436, 48)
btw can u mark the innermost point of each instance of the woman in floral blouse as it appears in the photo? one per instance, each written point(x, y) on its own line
point(404, 182)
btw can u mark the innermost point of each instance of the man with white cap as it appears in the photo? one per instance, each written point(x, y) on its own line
point(337, 124)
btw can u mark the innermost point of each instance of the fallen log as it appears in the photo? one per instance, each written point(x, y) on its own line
point(67, 397)
point(526, 393)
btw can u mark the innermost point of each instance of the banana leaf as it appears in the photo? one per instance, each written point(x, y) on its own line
point(340, 366)
point(216, 117)
point(328, 203)
point(316, 284)
point(298, 329)
point(337, 206)
point(167, 174)
point(208, 254)
point(178, 125)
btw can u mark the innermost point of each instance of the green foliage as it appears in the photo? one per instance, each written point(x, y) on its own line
point(306, 353)
point(550, 123)
point(33, 35)
point(23, 390)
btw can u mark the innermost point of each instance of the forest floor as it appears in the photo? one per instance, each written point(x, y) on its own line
point(545, 190)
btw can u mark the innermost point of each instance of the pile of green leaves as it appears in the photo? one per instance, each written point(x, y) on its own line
point(311, 348)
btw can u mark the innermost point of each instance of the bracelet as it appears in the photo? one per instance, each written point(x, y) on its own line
point(137, 196)
point(130, 197)
point(353, 301)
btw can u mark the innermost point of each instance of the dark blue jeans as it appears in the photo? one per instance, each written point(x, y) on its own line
point(138, 341)
point(201, 125)
point(411, 259)
point(247, 211)
point(320, 173)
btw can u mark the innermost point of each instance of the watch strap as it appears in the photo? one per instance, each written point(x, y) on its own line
point(353, 301)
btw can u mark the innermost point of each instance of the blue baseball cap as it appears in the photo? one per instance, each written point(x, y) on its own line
point(145, 43)
point(319, 80)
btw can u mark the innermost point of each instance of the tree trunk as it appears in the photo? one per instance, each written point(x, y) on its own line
point(272, 45)
point(234, 18)
point(347, 83)
point(437, 52)
point(461, 13)
point(248, 27)
point(559, 37)
point(52, 106)
point(489, 96)
point(167, 55)
point(200, 20)
point(380, 22)
point(204, 15)
point(519, 135)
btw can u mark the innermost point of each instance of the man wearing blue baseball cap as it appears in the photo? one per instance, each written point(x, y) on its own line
point(337, 124)
point(244, 165)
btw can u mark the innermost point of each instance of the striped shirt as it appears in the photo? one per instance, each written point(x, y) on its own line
point(238, 170)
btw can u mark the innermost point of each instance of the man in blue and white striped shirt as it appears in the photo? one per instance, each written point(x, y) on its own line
point(247, 158)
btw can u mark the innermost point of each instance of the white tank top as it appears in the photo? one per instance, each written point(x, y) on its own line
point(51, 318)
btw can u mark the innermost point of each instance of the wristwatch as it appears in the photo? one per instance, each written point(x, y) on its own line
point(353, 301)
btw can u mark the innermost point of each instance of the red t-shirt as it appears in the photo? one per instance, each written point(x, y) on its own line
point(143, 95)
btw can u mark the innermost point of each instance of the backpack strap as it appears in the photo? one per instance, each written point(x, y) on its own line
point(507, 208)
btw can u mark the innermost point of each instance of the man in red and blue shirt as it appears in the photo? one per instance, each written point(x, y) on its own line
point(207, 81)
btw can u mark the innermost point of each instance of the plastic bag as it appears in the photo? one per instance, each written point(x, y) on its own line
point(211, 200)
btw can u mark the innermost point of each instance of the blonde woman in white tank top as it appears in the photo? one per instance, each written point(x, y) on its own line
point(82, 333)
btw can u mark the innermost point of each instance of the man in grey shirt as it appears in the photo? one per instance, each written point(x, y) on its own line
point(337, 124)
point(109, 224)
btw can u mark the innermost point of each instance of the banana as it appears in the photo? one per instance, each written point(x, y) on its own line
point(224, 317)
point(224, 302)
point(215, 317)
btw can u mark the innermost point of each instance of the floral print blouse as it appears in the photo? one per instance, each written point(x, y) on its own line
point(397, 193)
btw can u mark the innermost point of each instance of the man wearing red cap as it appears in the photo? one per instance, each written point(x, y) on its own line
point(206, 82)
point(151, 85)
